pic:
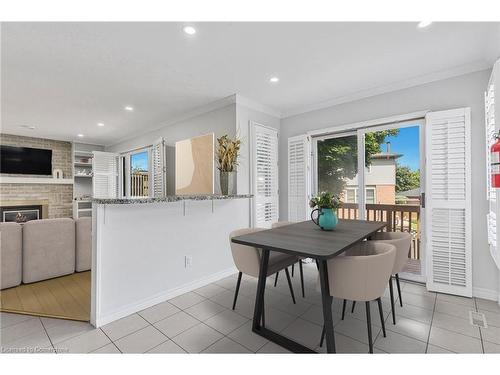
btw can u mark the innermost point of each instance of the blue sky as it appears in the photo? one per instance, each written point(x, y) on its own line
point(139, 161)
point(406, 143)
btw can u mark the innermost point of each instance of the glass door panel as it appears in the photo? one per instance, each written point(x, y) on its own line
point(392, 184)
point(337, 170)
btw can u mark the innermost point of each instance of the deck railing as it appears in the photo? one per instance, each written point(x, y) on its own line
point(139, 184)
point(400, 218)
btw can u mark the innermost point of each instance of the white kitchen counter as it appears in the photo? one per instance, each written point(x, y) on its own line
point(148, 252)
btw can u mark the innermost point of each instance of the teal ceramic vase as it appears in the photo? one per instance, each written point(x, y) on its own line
point(327, 218)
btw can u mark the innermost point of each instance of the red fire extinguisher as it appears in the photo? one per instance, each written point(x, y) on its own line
point(495, 162)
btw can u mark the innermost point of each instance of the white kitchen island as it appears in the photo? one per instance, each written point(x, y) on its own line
point(148, 250)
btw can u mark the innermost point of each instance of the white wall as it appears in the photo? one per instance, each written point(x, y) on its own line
point(139, 252)
point(220, 121)
point(233, 119)
point(463, 91)
point(381, 172)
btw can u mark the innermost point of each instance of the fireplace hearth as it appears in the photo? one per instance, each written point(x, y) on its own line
point(20, 214)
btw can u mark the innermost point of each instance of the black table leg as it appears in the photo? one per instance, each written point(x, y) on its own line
point(327, 306)
point(302, 279)
point(261, 286)
point(258, 315)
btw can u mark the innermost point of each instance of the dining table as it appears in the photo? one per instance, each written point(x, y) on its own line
point(305, 239)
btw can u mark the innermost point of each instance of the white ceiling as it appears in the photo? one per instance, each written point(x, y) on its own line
point(64, 78)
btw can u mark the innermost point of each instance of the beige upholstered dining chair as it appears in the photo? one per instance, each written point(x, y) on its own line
point(247, 260)
point(361, 275)
point(282, 224)
point(402, 242)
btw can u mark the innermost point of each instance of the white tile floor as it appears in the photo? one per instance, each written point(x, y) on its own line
point(202, 321)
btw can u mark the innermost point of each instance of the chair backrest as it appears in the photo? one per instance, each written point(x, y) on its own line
point(281, 224)
point(246, 258)
point(363, 272)
point(48, 249)
point(402, 242)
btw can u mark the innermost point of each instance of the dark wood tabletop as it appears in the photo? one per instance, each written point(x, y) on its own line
point(308, 240)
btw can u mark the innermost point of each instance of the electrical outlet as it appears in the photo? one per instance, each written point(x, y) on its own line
point(188, 261)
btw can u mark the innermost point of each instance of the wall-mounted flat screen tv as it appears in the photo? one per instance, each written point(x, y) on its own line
point(25, 160)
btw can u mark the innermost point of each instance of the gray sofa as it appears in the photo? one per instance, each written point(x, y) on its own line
point(11, 247)
point(48, 249)
point(44, 249)
point(83, 244)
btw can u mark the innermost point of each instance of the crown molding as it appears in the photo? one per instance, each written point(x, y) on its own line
point(252, 104)
point(395, 86)
point(189, 114)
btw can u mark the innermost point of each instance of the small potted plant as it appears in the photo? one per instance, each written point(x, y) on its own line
point(227, 159)
point(327, 205)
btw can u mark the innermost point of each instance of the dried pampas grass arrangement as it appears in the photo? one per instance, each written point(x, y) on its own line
point(227, 153)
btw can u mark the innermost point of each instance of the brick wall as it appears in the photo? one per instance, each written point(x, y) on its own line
point(385, 194)
point(61, 151)
point(60, 197)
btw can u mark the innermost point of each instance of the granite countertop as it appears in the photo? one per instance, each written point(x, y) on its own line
point(169, 198)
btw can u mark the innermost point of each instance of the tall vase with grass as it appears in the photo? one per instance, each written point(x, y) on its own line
point(327, 205)
point(227, 153)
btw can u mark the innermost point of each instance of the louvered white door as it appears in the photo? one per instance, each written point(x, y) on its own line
point(105, 175)
point(159, 172)
point(265, 176)
point(299, 180)
point(448, 206)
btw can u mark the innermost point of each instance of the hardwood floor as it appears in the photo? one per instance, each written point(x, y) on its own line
point(66, 297)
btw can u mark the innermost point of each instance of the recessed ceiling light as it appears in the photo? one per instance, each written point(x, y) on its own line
point(189, 30)
point(80, 135)
point(423, 24)
point(274, 79)
point(129, 108)
point(100, 124)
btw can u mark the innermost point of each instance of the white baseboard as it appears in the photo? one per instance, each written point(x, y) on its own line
point(489, 294)
point(162, 297)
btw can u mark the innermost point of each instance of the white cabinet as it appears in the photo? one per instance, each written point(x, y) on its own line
point(492, 117)
point(83, 176)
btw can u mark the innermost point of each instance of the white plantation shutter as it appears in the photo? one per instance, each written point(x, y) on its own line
point(158, 166)
point(489, 101)
point(448, 207)
point(491, 117)
point(265, 176)
point(299, 151)
point(105, 171)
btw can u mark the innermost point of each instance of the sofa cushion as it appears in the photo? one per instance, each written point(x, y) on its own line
point(83, 244)
point(48, 249)
point(11, 239)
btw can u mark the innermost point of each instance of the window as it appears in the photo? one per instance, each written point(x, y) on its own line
point(351, 195)
point(136, 173)
point(139, 174)
point(370, 195)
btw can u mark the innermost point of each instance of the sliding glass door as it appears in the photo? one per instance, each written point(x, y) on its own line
point(387, 187)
